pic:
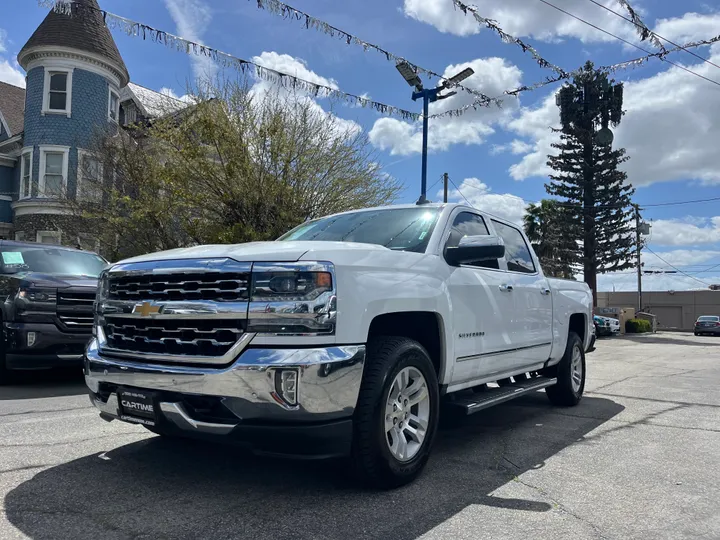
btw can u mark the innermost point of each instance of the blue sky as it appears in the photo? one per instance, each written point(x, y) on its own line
point(497, 156)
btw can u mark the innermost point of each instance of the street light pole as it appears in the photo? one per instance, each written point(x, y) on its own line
point(426, 108)
point(428, 95)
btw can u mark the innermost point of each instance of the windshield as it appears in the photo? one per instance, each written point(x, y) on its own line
point(404, 229)
point(709, 319)
point(49, 260)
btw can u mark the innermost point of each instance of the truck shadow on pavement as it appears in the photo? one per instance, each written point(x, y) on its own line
point(184, 489)
point(44, 384)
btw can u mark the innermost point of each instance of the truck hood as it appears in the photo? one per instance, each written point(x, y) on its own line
point(51, 281)
point(257, 251)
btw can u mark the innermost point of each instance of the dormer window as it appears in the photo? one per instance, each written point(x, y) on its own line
point(114, 106)
point(57, 97)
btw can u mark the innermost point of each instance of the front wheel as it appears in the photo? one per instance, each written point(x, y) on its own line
point(397, 413)
point(570, 373)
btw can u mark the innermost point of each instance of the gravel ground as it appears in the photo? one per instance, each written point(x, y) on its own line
point(638, 458)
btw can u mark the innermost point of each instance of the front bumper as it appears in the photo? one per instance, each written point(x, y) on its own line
point(242, 402)
point(48, 347)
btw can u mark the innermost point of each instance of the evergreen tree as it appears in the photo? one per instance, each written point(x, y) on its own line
point(595, 195)
point(547, 230)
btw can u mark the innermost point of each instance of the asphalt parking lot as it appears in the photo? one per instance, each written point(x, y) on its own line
point(638, 458)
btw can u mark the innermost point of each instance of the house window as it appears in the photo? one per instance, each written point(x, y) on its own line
point(90, 177)
point(26, 173)
point(20, 236)
point(53, 171)
point(49, 237)
point(114, 106)
point(58, 91)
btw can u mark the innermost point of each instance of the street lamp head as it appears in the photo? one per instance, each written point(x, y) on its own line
point(409, 74)
point(460, 77)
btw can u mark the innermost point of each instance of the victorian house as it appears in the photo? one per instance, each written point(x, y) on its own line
point(77, 86)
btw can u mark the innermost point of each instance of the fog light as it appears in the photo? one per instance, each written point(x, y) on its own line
point(31, 338)
point(286, 385)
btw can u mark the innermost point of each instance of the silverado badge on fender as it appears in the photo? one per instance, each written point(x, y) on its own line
point(146, 308)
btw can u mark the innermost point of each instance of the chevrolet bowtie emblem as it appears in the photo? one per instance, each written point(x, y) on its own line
point(146, 308)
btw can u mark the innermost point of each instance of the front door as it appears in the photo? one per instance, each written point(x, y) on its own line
point(532, 324)
point(482, 308)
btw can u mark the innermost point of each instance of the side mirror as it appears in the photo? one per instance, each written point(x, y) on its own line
point(476, 249)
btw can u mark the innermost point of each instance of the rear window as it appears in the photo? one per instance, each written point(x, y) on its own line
point(709, 319)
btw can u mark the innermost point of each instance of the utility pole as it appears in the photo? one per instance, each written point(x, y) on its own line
point(641, 228)
point(445, 180)
point(638, 245)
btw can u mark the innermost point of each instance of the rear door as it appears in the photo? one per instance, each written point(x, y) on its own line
point(482, 305)
point(532, 321)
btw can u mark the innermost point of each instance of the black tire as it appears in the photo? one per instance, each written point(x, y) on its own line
point(697, 333)
point(371, 456)
point(563, 393)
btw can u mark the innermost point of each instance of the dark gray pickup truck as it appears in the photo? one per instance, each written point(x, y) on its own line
point(47, 295)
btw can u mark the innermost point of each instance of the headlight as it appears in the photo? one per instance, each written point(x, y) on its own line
point(42, 296)
point(289, 285)
point(292, 299)
point(30, 300)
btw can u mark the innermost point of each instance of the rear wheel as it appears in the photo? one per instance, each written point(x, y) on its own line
point(397, 413)
point(570, 373)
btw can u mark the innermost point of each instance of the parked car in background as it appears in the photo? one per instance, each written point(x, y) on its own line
point(707, 324)
point(339, 339)
point(47, 312)
point(606, 326)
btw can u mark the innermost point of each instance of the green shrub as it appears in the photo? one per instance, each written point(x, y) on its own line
point(638, 326)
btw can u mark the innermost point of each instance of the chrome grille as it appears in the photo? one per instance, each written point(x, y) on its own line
point(187, 337)
point(215, 286)
point(75, 310)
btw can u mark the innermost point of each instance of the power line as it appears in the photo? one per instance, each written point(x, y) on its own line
point(653, 33)
point(676, 268)
point(628, 42)
point(287, 11)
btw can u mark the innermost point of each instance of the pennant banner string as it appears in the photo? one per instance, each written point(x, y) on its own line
point(614, 68)
point(643, 31)
point(507, 38)
point(288, 12)
point(148, 33)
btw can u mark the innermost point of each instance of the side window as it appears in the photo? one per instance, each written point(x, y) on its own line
point(517, 253)
point(468, 224)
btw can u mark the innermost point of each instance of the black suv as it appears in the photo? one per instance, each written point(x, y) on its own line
point(47, 312)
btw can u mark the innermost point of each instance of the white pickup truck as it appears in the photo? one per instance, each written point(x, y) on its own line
point(341, 338)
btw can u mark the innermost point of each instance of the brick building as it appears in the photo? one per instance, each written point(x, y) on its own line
point(77, 88)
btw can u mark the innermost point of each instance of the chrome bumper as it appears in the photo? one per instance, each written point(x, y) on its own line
point(328, 384)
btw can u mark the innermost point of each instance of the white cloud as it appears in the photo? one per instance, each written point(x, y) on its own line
point(689, 27)
point(670, 130)
point(10, 71)
point(685, 232)
point(523, 18)
point(165, 91)
point(515, 147)
point(492, 76)
point(480, 196)
point(299, 68)
point(192, 18)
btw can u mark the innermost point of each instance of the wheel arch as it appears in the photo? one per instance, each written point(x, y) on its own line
point(425, 327)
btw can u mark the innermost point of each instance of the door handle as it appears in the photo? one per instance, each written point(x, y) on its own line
point(506, 288)
point(545, 291)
